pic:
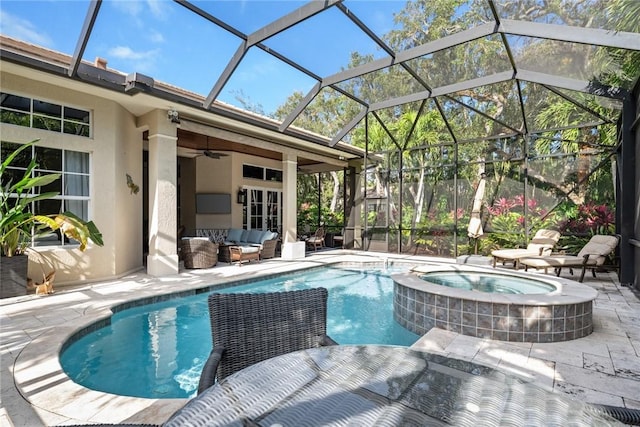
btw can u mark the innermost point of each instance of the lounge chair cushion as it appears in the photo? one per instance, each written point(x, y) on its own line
point(599, 247)
point(516, 253)
point(556, 261)
point(546, 237)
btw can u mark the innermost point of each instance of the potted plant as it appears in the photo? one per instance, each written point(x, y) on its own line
point(18, 225)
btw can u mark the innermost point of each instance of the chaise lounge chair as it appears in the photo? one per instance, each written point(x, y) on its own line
point(541, 244)
point(592, 255)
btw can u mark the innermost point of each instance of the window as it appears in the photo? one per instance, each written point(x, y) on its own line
point(273, 175)
point(263, 174)
point(22, 111)
point(72, 187)
point(254, 172)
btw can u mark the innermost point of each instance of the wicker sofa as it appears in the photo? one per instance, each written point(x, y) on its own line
point(265, 240)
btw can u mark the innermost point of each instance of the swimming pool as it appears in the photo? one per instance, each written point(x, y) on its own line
point(159, 349)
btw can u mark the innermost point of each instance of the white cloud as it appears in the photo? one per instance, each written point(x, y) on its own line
point(133, 8)
point(157, 8)
point(14, 26)
point(155, 36)
point(136, 9)
point(144, 61)
point(258, 70)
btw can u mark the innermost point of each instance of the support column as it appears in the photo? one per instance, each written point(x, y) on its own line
point(163, 256)
point(291, 248)
point(353, 231)
point(627, 209)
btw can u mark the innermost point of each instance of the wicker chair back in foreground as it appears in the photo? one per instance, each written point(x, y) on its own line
point(250, 328)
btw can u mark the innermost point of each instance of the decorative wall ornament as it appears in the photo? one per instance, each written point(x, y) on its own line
point(132, 185)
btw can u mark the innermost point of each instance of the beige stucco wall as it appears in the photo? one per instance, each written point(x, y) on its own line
point(116, 149)
point(127, 215)
point(187, 201)
point(224, 175)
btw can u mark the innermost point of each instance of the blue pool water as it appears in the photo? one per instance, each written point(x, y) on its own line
point(487, 282)
point(158, 350)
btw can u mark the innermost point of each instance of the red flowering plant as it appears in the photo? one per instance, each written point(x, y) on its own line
point(506, 223)
point(581, 222)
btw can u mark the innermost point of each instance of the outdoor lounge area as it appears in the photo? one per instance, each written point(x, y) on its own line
point(155, 151)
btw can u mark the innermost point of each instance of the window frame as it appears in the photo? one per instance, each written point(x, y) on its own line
point(41, 116)
point(275, 173)
point(60, 240)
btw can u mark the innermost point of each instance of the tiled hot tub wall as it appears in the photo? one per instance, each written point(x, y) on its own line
point(419, 311)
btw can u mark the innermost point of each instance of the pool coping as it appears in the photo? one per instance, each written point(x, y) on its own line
point(41, 381)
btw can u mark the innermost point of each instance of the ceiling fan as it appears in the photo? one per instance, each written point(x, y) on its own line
point(212, 154)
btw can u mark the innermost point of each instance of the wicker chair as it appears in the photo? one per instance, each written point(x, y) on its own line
point(269, 249)
point(198, 252)
point(250, 328)
point(317, 240)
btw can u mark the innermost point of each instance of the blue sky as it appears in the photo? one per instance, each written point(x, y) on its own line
point(163, 40)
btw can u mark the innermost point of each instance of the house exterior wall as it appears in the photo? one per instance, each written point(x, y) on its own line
point(224, 175)
point(116, 149)
point(187, 194)
point(214, 176)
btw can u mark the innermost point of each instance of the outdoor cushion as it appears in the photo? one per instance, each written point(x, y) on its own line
point(268, 235)
point(240, 237)
point(516, 253)
point(599, 247)
point(234, 235)
point(544, 241)
point(554, 261)
point(546, 237)
point(254, 236)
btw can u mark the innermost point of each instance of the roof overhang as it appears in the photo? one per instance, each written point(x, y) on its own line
point(140, 94)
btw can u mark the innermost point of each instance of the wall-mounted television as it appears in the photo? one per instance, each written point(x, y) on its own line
point(213, 203)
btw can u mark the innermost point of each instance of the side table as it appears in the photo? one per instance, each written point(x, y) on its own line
point(224, 255)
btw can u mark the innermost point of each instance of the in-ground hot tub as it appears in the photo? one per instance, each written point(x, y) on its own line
point(483, 303)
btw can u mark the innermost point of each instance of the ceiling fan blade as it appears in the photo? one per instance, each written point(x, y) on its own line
point(213, 155)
